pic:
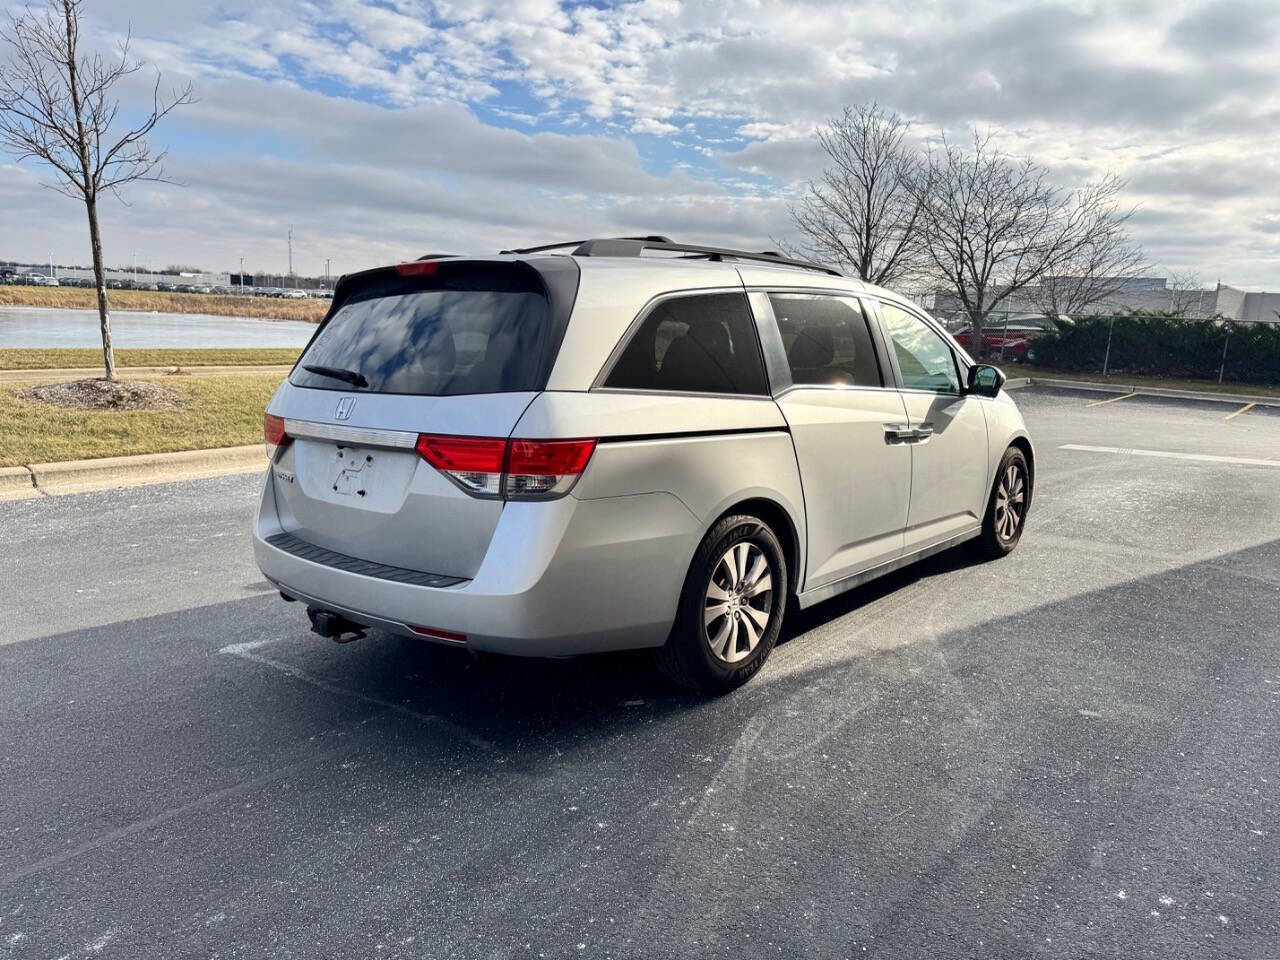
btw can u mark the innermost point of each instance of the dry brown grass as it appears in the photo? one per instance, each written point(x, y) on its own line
point(66, 358)
point(220, 411)
point(76, 298)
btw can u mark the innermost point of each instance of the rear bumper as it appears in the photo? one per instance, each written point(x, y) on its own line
point(560, 578)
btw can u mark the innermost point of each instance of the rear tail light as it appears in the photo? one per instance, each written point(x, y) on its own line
point(473, 463)
point(508, 469)
point(545, 468)
point(274, 435)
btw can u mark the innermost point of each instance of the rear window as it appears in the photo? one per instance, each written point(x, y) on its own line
point(464, 328)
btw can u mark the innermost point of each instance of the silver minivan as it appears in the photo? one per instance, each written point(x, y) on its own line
point(624, 443)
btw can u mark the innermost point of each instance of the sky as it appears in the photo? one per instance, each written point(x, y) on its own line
point(381, 131)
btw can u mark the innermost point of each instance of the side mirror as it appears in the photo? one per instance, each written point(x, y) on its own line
point(985, 380)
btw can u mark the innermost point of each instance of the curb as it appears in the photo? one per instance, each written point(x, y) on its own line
point(1094, 385)
point(79, 476)
point(17, 483)
point(84, 373)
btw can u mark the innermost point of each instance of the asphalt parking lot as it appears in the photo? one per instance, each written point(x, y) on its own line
point(1069, 752)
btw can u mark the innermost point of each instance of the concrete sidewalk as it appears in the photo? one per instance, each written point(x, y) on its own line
point(84, 373)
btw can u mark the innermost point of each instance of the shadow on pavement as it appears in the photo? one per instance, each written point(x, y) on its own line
point(1097, 775)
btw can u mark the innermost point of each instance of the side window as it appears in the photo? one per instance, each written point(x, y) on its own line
point(924, 358)
point(826, 339)
point(701, 344)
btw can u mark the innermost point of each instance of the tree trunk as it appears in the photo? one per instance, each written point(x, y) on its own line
point(976, 345)
point(100, 282)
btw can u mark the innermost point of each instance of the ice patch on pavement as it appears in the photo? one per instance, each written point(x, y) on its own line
point(239, 649)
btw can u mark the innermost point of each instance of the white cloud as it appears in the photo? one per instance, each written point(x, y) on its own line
point(329, 104)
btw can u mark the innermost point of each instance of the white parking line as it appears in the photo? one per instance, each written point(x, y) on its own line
point(1123, 396)
point(245, 652)
point(1171, 455)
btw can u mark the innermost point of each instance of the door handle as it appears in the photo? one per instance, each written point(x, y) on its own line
point(901, 433)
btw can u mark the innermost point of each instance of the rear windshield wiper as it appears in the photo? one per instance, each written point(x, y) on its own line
point(353, 377)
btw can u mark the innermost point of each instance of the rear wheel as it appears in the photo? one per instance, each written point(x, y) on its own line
point(1007, 509)
point(731, 607)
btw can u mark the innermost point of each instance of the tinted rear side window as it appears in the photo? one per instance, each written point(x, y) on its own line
point(827, 340)
point(697, 344)
point(467, 328)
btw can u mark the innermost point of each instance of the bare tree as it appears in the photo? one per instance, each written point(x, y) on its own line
point(994, 225)
point(1105, 262)
point(1186, 293)
point(56, 106)
point(864, 214)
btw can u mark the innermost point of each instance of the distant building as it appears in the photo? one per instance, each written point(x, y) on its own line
point(1153, 294)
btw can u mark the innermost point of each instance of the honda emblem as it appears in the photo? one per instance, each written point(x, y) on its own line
point(344, 408)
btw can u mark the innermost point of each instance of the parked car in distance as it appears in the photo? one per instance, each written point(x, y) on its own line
point(1013, 337)
point(627, 443)
point(1013, 344)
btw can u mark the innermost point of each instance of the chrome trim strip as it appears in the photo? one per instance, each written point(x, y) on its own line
point(692, 394)
point(362, 436)
point(834, 387)
point(834, 589)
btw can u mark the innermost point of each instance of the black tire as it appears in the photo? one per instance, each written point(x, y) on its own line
point(688, 658)
point(1002, 531)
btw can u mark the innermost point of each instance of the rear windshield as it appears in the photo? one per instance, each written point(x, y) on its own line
point(465, 328)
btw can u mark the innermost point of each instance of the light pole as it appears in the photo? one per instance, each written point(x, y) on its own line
point(51, 273)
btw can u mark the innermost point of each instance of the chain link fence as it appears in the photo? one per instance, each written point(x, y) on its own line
point(1221, 351)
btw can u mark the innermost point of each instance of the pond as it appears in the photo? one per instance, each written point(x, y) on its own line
point(44, 327)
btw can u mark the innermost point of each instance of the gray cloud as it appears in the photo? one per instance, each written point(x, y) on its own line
point(1182, 97)
point(1229, 26)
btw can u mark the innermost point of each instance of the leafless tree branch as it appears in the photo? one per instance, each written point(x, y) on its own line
point(56, 107)
point(863, 215)
point(995, 225)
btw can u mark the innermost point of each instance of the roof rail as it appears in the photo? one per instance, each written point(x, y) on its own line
point(578, 243)
point(635, 247)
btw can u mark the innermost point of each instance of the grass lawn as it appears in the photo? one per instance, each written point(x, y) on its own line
point(223, 411)
point(76, 298)
point(1125, 379)
point(32, 358)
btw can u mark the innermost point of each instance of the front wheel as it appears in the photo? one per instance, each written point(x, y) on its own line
point(1007, 510)
point(731, 607)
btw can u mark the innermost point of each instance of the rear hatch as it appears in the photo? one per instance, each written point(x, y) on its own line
point(451, 348)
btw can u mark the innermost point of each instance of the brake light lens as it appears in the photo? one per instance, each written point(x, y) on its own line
point(274, 435)
point(508, 469)
point(545, 468)
point(473, 463)
point(418, 268)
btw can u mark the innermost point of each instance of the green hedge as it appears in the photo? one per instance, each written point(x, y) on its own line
point(1163, 346)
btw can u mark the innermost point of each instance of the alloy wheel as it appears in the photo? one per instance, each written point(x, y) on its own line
point(738, 602)
point(1011, 503)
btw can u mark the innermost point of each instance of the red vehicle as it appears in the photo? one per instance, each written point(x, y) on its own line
point(1014, 343)
point(1014, 335)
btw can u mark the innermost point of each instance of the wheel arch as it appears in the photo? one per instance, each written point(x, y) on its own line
point(1023, 443)
point(780, 521)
